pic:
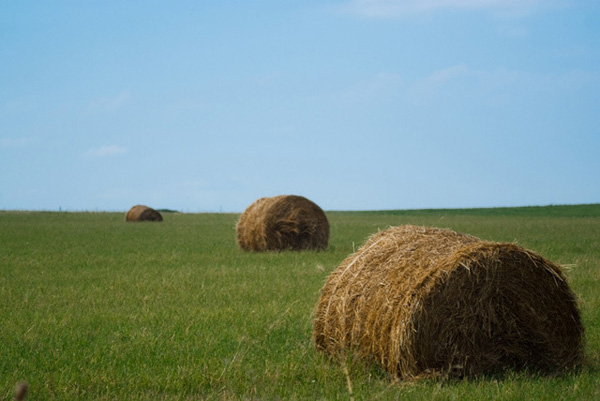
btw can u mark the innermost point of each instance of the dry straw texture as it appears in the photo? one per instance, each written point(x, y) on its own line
point(283, 222)
point(142, 213)
point(426, 302)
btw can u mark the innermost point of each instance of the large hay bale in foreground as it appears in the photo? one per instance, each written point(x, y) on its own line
point(283, 222)
point(428, 302)
point(142, 213)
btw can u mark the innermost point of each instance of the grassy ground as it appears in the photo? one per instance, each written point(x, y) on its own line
point(95, 308)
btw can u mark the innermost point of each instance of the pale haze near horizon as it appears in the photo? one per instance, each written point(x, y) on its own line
point(356, 105)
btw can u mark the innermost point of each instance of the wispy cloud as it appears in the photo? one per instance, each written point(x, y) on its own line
point(269, 78)
point(513, 31)
point(428, 86)
point(499, 85)
point(105, 151)
point(11, 143)
point(380, 86)
point(18, 106)
point(109, 104)
point(400, 8)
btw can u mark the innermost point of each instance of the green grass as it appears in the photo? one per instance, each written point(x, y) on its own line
point(95, 308)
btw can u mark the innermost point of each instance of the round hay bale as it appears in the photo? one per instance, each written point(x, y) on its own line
point(284, 222)
point(427, 302)
point(142, 213)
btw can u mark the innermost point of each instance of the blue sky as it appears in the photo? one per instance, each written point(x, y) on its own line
point(357, 104)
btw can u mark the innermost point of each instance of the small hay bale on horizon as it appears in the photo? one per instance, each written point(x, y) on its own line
point(284, 222)
point(142, 213)
point(429, 302)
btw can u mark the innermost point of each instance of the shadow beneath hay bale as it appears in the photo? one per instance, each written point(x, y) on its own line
point(591, 363)
point(368, 368)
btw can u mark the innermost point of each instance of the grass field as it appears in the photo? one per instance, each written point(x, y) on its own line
point(98, 309)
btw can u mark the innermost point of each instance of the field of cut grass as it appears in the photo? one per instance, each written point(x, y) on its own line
point(93, 308)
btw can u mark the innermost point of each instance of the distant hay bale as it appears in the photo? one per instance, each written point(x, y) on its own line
point(284, 222)
point(142, 213)
point(428, 302)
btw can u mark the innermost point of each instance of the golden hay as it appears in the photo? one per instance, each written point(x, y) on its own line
point(426, 302)
point(282, 222)
point(142, 213)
